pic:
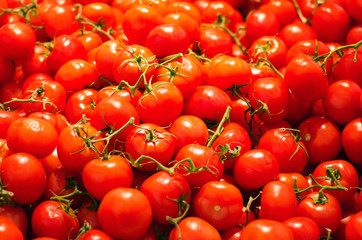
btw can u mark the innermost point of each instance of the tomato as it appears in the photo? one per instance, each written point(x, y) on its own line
point(233, 135)
point(109, 91)
point(208, 102)
point(76, 74)
point(7, 69)
point(305, 78)
point(255, 168)
point(32, 135)
point(220, 204)
point(73, 152)
point(120, 216)
point(201, 156)
point(101, 176)
point(51, 163)
point(164, 191)
point(19, 39)
point(278, 201)
point(353, 226)
point(325, 215)
point(131, 61)
point(23, 175)
point(348, 178)
point(226, 71)
point(288, 150)
point(294, 178)
point(260, 23)
point(188, 129)
point(266, 229)
point(283, 10)
point(272, 92)
point(354, 8)
point(322, 139)
point(192, 228)
point(270, 47)
point(105, 56)
point(187, 77)
point(161, 105)
point(214, 41)
point(303, 228)
point(349, 66)
point(17, 215)
point(167, 39)
point(80, 103)
point(342, 101)
point(185, 7)
point(354, 34)
point(138, 21)
point(49, 219)
point(150, 140)
point(99, 12)
point(113, 112)
point(94, 234)
point(295, 32)
point(6, 119)
point(65, 48)
point(9, 230)
point(351, 140)
point(331, 22)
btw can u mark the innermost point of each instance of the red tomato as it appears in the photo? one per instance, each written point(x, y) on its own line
point(325, 215)
point(9, 230)
point(201, 156)
point(294, 178)
point(150, 140)
point(331, 22)
point(32, 135)
point(208, 102)
point(99, 12)
point(120, 216)
point(6, 119)
point(94, 234)
point(49, 219)
point(214, 41)
point(188, 129)
point(278, 201)
point(347, 177)
point(87, 212)
point(353, 227)
point(342, 101)
point(352, 140)
point(80, 103)
point(295, 32)
point(139, 21)
point(354, 8)
point(288, 150)
point(274, 94)
point(220, 204)
point(101, 176)
point(167, 39)
point(283, 10)
point(193, 228)
point(261, 229)
point(162, 105)
point(322, 139)
point(305, 78)
point(165, 193)
point(17, 215)
point(303, 228)
point(19, 39)
point(234, 136)
point(226, 71)
point(255, 168)
point(260, 23)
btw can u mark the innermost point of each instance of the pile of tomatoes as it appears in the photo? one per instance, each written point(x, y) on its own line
point(193, 119)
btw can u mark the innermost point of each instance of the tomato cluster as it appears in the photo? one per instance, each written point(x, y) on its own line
point(193, 119)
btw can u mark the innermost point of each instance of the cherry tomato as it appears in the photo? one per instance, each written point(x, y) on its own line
point(266, 229)
point(351, 140)
point(9, 230)
point(303, 228)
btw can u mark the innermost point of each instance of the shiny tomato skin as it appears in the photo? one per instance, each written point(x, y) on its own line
point(351, 140)
point(162, 189)
point(303, 228)
point(255, 168)
point(17, 215)
point(9, 230)
point(120, 216)
point(219, 203)
point(193, 228)
point(23, 175)
point(262, 229)
point(101, 176)
point(353, 227)
point(95, 234)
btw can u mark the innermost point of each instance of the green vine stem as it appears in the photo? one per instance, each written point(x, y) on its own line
point(220, 126)
point(300, 14)
point(268, 63)
point(85, 228)
point(248, 206)
point(296, 134)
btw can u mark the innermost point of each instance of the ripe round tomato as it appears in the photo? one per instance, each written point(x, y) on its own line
point(303, 228)
point(9, 230)
point(214, 41)
point(17, 215)
point(255, 168)
point(352, 139)
point(49, 219)
point(220, 204)
point(120, 213)
point(101, 176)
point(194, 228)
point(94, 234)
point(353, 227)
point(262, 229)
